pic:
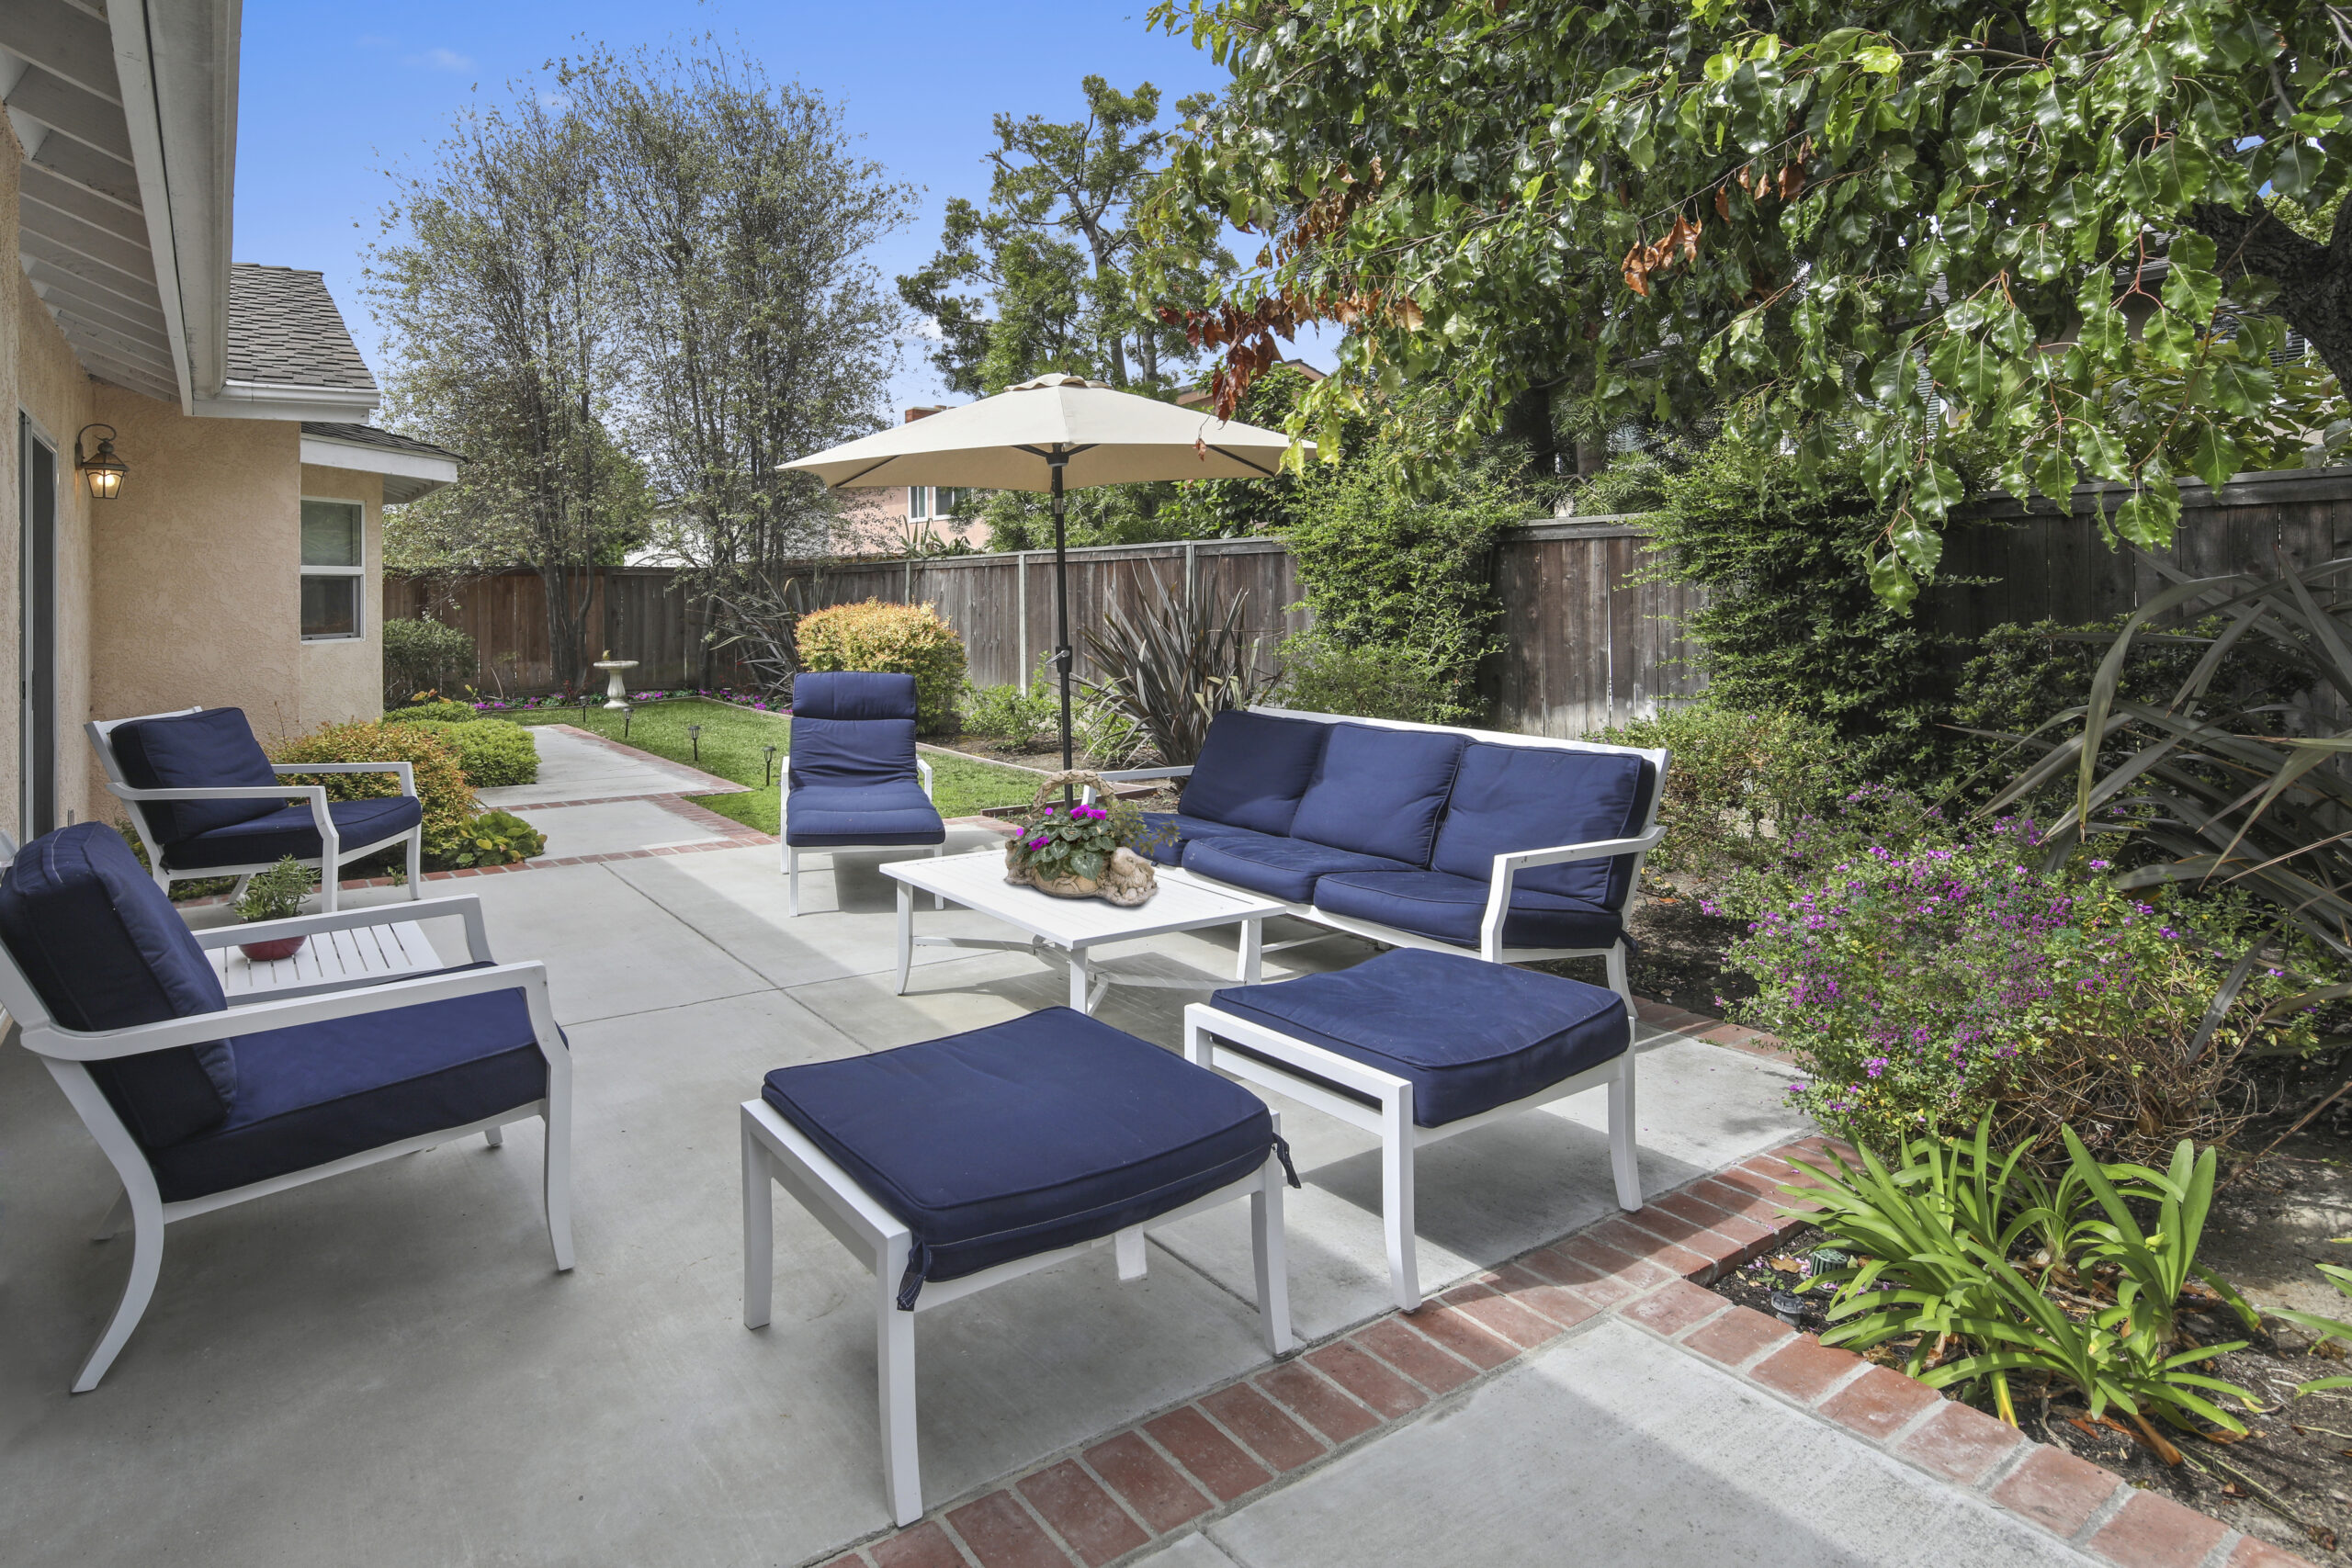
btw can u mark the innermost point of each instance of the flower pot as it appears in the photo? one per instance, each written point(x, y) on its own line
point(276, 948)
point(1128, 881)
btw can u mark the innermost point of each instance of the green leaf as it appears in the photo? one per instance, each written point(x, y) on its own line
point(1879, 60)
point(1935, 492)
point(1891, 583)
point(2296, 169)
point(1920, 546)
point(2146, 521)
point(2096, 449)
point(2213, 456)
point(2243, 390)
point(2105, 331)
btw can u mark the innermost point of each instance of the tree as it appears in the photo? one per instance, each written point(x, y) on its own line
point(1871, 223)
point(493, 282)
point(755, 332)
point(1053, 254)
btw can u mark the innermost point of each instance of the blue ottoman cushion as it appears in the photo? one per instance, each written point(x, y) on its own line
point(1005, 1142)
point(1469, 1036)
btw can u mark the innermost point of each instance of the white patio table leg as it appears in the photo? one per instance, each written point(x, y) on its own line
point(939, 901)
point(1077, 978)
point(1622, 1159)
point(906, 933)
point(1253, 946)
point(758, 1230)
point(894, 1353)
point(1396, 1195)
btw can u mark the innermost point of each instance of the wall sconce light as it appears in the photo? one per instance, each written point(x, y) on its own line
point(101, 470)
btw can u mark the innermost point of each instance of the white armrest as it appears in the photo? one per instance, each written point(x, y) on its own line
point(923, 769)
point(251, 1018)
point(407, 771)
point(1509, 865)
point(1128, 775)
point(224, 792)
point(466, 906)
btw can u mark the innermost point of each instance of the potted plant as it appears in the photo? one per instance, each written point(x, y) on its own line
point(274, 895)
point(1080, 850)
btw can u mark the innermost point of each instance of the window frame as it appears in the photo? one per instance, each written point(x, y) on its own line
point(356, 574)
point(918, 503)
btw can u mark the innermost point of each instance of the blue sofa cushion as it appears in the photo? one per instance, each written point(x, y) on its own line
point(289, 831)
point(1378, 792)
point(854, 695)
point(322, 1091)
point(97, 939)
point(1469, 1034)
point(1252, 770)
point(850, 751)
point(869, 813)
point(1016, 1139)
point(1528, 798)
point(1173, 830)
point(1446, 907)
point(1280, 868)
point(213, 748)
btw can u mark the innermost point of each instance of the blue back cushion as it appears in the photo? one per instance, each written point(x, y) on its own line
point(1528, 798)
point(854, 695)
point(1253, 769)
point(106, 949)
point(850, 750)
point(211, 750)
point(1378, 792)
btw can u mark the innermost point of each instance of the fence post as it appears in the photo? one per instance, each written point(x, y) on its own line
point(1191, 572)
point(1020, 618)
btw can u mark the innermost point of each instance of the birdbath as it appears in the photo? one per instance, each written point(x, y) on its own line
point(615, 690)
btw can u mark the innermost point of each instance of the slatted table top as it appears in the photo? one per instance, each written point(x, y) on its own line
point(368, 952)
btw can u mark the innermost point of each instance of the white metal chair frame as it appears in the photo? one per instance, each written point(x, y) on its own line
point(66, 1053)
point(1507, 868)
point(792, 852)
point(776, 1151)
point(1390, 1117)
point(333, 857)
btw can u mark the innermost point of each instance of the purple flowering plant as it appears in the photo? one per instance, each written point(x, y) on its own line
point(1922, 982)
point(1079, 839)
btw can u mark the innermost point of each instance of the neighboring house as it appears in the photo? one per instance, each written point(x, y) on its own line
point(239, 563)
point(900, 520)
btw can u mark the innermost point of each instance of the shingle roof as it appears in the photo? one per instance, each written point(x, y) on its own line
point(368, 436)
point(283, 328)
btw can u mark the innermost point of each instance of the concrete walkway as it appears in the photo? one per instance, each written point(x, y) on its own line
point(593, 797)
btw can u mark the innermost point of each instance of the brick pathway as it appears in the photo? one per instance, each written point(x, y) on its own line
point(1114, 1497)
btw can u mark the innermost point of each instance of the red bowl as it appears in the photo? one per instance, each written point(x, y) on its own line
point(271, 950)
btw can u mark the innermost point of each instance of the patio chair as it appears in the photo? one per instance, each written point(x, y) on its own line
point(200, 1105)
point(852, 779)
point(207, 802)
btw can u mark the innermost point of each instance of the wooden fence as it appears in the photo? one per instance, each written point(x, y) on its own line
point(1593, 635)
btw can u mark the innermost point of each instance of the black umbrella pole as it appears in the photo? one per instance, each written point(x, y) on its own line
point(1062, 613)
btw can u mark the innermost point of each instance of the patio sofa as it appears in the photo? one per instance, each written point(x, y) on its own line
point(1514, 847)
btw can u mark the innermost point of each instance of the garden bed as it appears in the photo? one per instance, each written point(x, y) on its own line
point(2288, 1482)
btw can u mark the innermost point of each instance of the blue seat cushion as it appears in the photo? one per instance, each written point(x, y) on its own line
point(213, 749)
point(289, 831)
point(1280, 868)
point(1173, 830)
point(1252, 770)
point(850, 751)
point(1469, 1036)
point(868, 814)
point(1009, 1141)
point(1378, 792)
point(854, 695)
point(97, 939)
point(1446, 907)
point(319, 1092)
point(1532, 797)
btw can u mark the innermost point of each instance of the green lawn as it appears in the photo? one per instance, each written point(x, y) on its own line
point(733, 740)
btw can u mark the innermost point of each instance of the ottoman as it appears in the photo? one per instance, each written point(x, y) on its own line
point(1419, 1046)
point(957, 1164)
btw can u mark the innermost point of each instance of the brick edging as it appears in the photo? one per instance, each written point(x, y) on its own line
point(1143, 1485)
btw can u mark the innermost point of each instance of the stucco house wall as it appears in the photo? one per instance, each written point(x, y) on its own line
point(344, 677)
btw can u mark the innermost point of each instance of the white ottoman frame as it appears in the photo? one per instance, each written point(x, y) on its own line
point(1392, 1116)
point(775, 1150)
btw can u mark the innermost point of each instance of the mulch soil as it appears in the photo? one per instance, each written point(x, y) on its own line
point(1045, 759)
point(2289, 1482)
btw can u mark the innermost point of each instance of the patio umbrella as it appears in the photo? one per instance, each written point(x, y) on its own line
point(1054, 433)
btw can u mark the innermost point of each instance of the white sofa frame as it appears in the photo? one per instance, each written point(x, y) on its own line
point(66, 1053)
point(329, 862)
point(776, 1150)
point(1390, 1117)
point(792, 852)
point(1506, 866)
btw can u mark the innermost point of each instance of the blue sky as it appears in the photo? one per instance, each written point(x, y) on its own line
point(332, 94)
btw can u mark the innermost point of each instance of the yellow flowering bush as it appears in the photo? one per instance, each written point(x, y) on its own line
point(905, 639)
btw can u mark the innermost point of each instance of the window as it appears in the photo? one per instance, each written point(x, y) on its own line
point(918, 503)
point(946, 502)
point(335, 572)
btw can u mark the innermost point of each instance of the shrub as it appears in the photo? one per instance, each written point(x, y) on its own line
point(441, 785)
point(1020, 719)
point(1921, 987)
point(493, 753)
point(277, 893)
point(1111, 737)
point(431, 709)
point(424, 656)
point(1174, 666)
point(1370, 681)
point(495, 837)
point(1736, 782)
point(906, 639)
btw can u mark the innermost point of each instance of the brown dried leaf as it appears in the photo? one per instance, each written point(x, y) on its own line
point(1722, 202)
point(1792, 182)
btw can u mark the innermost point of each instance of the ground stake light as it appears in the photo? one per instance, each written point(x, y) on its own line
point(694, 737)
point(767, 769)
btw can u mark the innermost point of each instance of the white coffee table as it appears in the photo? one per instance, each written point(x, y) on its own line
point(1076, 926)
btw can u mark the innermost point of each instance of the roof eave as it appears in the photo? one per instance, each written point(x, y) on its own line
point(280, 400)
point(407, 474)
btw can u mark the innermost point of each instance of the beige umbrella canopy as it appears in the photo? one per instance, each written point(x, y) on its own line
point(1054, 433)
